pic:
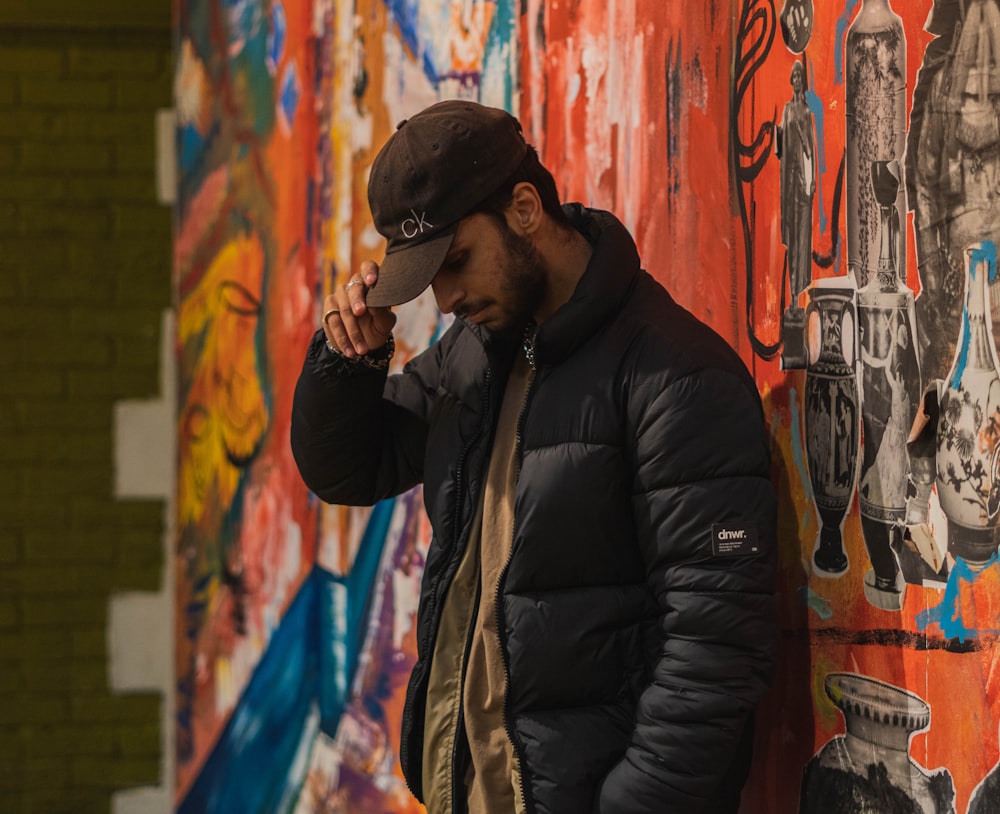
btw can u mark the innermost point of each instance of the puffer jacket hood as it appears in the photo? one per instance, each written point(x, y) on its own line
point(598, 296)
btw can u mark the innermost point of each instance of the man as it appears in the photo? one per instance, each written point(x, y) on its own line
point(595, 623)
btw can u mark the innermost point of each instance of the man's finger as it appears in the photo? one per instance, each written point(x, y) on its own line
point(331, 320)
point(383, 321)
point(369, 272)
point(356, 291)
point(337, 336)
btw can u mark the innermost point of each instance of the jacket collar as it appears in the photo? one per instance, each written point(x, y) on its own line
point(602, 290)
point(600, 293)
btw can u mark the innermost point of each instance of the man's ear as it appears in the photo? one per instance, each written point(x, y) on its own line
point(524, 213)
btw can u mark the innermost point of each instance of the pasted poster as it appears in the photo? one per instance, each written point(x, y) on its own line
point(863, 146)
point(817, 180)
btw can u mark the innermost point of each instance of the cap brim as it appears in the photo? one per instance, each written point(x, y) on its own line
point(404, 274)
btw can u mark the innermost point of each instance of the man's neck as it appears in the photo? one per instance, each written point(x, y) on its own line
point(565, 254)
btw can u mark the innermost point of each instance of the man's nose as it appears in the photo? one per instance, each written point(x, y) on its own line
point(447, 294)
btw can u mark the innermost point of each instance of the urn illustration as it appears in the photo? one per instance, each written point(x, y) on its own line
point(831, 415)
point(968, 433)
point(875, 96)
point(869, 767)
point(890, 391)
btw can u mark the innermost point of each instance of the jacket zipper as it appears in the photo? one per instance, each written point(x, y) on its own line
point(404, 750)
point(498, 601)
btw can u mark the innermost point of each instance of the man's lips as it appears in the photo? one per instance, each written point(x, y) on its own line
point(475, 312)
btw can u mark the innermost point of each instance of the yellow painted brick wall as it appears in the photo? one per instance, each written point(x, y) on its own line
point(84, 278)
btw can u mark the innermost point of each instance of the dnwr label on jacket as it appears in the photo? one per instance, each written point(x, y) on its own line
point(734, 539)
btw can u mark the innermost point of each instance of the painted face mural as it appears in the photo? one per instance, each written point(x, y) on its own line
point(816, 180)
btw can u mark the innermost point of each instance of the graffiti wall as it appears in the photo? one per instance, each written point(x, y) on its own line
point(817, 179)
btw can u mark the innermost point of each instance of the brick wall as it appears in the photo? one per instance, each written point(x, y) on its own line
point(84, 279)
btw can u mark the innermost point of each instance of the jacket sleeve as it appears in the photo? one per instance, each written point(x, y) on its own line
point(702, 459)
point(358, 435)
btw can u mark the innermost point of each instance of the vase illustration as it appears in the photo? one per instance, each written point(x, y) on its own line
point(831, 415)
point(953, 157)
point(869, 767)
point(890, 391)
point(875, 96)
point(968, 435)
point(919, 551)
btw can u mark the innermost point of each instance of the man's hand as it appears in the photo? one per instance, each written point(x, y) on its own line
point(350, 326)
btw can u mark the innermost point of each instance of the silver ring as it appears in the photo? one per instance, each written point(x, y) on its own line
point(353, 281)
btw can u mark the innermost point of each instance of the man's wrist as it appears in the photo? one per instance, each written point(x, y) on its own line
point(377, 358)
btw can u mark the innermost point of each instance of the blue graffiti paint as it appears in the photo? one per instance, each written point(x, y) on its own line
point(948, 613)
point(344, 606)
point(301, 685)
point(501, 39)
point(406, 13)
point(984, 253)
point(819, 605)
point(256, 763)
point(276, 37)
point(190, 148)
point(843, 22)
point(963, 352)
point(816, 108)
point(248, 59)
point(333, 656)
point(418, 38)
point(290, 91)
point(242, 20)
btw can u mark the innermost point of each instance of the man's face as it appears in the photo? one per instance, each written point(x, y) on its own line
point(491, 275)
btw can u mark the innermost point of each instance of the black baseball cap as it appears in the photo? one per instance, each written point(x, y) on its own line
point(438, 167)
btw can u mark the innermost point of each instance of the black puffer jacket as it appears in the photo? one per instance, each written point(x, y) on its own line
point(637, 607)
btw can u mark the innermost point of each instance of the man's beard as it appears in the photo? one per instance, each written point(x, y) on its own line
point(523, 284)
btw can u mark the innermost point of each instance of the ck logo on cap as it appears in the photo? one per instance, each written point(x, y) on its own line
point(415, 225)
